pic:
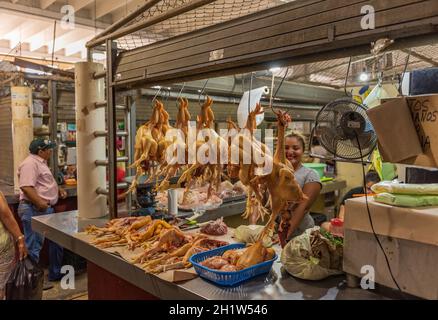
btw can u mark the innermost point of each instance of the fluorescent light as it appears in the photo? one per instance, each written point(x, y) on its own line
point(274, 69)
point(364, 77)
point(156, 87)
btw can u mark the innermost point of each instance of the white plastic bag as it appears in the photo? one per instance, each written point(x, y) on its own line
point(310, 256)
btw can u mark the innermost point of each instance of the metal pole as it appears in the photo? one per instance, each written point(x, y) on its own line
point(53, 124)
point(133, 128)
point(112, 129)
point(128, 150)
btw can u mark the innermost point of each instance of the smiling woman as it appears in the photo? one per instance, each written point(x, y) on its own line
point(296, 219)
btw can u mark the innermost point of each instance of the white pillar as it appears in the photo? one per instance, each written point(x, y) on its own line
point(22, 128)
point(88, 147)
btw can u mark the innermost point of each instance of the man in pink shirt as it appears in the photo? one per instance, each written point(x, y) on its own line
point(39, 192)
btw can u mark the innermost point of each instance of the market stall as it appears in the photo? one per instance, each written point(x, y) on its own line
point(130, 282)
point(295, 33)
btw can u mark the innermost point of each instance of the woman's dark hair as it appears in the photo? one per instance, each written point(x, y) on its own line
point(299, 137)
point(372, 176)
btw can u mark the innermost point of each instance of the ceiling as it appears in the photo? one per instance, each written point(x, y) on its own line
point(27, 27)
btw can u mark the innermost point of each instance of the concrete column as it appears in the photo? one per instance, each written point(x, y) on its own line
point(89, 148)
point(22, 127)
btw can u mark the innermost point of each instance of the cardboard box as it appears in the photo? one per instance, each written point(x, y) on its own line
point(409, 237)
point(424, 110)
point(395, 145)
point(424, 116)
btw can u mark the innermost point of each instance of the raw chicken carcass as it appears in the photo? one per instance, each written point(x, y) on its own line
point(255, 254)
point(229, 268)
point(216, 262)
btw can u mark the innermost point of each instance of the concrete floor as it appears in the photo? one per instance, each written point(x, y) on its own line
point(78, 293)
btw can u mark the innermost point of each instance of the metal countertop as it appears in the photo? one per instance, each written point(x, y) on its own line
point(279, 285)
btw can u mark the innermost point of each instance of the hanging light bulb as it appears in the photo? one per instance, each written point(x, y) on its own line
point(364, 76)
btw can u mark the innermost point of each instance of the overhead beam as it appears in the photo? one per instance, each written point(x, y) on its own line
point(44, 4)
point(107, 6)
point(79, 4)
point(134, 9)
point(38, 13)
point(25, 31)
point(6, 51)
point(291, 34)
point(421, 57)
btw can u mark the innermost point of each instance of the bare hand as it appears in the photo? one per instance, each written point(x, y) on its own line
point(22, 250)
point(43, 206)
point(62, 193)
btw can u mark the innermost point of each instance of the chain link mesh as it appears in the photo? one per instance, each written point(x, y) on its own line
point(391, 64)
point(216, 12)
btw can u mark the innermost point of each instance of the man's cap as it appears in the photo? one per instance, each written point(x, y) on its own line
point(41, 144)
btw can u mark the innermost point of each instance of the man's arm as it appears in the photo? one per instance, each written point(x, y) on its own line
point(33, 196)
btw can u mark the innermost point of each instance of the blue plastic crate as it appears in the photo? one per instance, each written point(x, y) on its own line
point(228, 278)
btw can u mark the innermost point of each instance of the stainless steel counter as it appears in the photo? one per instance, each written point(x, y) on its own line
point(278, 285)
point(12, 197)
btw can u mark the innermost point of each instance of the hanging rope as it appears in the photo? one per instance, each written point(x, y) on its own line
point(346, 78)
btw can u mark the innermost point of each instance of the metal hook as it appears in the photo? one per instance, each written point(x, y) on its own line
point(249, 93)
point(179, 94)
point(202, 91)
point(166, 94)
point(156, 95)
point(278, 89)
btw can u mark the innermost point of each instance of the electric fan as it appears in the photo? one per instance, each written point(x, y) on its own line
point(344, 130)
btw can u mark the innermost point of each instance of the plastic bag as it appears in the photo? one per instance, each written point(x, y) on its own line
point(25, 282)
point(311, 256)
point(250, 234)
point(400, 188)
point(406, 200)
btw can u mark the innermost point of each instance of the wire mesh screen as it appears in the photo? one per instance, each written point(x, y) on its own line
point(389, 65)
point(216, 12)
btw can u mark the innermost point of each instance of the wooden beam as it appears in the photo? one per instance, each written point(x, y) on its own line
point(32, 65)
point(44, 4)
point(79, 4)
point(421, 57)
point(286, 35)
point(107, 6)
